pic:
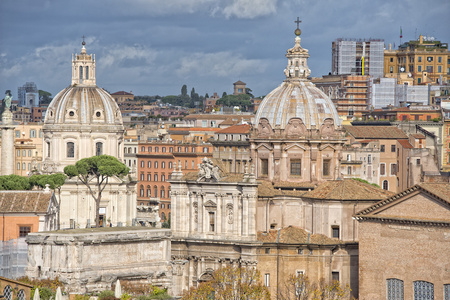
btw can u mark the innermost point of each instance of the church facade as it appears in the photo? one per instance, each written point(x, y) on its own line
point(83, 120)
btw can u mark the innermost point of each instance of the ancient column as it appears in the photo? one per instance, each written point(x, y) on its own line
point(7, 128)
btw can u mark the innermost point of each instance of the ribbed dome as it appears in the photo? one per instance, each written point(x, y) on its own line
point(84, 105)
point(297, 97)
point(297, 100)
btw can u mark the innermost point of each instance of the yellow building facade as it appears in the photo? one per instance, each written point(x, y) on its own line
point(425, 61)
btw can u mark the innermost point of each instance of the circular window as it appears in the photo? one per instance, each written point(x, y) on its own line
point(98, 114)
point(71, 113)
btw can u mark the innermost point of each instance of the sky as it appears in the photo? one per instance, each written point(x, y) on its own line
point(153, 47)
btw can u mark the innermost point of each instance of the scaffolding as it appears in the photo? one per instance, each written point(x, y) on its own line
point(383, 93)
point(13, 258)
point(347, 57)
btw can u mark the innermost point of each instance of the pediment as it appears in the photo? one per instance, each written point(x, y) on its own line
point(295, 146)
point(323, 147)
point(414, 204)
point(264, 146)
point(210, 203)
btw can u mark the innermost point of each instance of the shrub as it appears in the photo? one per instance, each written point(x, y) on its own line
point(106, 295)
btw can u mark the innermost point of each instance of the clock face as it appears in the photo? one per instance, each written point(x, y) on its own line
point(429, 59)
point(402, 69)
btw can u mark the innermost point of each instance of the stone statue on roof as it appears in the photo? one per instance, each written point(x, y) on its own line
point(207, 171)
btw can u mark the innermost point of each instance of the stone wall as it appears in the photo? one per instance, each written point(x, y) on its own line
point(90, 260)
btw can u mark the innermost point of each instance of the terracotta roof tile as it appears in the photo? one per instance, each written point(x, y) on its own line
point(24, 201)
point(347, 189)
point(295, 235)
point(375, 132)
point(405, 144)
point(239, 129)
point(417, 135)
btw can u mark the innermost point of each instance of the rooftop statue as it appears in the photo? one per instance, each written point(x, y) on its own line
point(208, 171)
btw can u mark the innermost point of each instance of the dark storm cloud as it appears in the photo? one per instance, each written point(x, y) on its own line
point(154, 47)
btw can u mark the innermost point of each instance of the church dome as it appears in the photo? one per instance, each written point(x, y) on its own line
point(88, 105)
point(83, 102)
point(297, 98)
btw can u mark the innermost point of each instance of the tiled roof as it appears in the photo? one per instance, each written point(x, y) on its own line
point(405, 144)
point(417, 135)
point(240, 129)
point(121, 93)
point(438, 190)
point(218, 117)
point(24, 201)
point(295, 235)
point(239, 82)
point(375, 132)
point(267, 189)
point(347, 189)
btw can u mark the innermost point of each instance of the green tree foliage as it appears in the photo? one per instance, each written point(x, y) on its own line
point(231, 283)
point(206, 96)
point(300, 287)
point(45, 97)
point(241, 100)
point(94, 172)
point(15, 182)
point(184, 91)
point(249, 91)
point(365, 181)
point(224, 94)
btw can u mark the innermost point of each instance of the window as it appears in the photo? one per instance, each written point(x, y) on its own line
point(18, 153)
point(149, 176)
point(18, 166)
point(264, 166)
point(446, 291)
point(211, 221)
point(142, 176)
point(393, 169)
point(21, 295)
point(349, 170)
point(423, 290)
point(335, 231)
point(382, 169)
point(392, 148)
point(32, 133)
point(326, 167)
point(439, 69)
point(163, 205)
point(170, 165)
point(163, 192)
point(267, 250)
point(385, 185)
point(349, 157)
point(98, 149)
point(142, 163)
point(419, 68)
point(299, 251)
point(149, 191)
point(419, 59)
point(369, 159)
point(155, 191)
point(193, 150)
point(81, 72)
point(155, 177)
point(156, 165)
point(149, 149)
point(430, 69)
point(149, 164)
point(163, 177)
point(163, 165)
point(335, 276)
point(419, 80)
point(391, 69)
point(156, 149)
point(418, 161)
point(17, 133)
point(163, 149)
point(205, 149)
point(296, 167)
point(70, 149)
point(267, 279)
point(7, 292)
point(24, 231)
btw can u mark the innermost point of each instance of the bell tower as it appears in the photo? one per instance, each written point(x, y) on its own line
point(83, 68)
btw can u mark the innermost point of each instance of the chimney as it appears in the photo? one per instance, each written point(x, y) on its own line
point(421, 39)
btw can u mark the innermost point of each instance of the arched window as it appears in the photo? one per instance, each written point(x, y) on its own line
point(385, 185)
point(98, 148)
point(81, 72)
point(149, 164)
point(163, 177)
point(21, 295)
point(142, 149)
point(155, 188)
point(141, 191)
point(70, 149)
point(87, 72)
point(423, 290)
point(142, 163)
point(394, 288)
point(149, 191)
point(163, 165)
point(156, 165)
point(163, 192)
point(170, 165)
point(7, 292)
point(129, 149)
point(155, 177)
point(149, 149)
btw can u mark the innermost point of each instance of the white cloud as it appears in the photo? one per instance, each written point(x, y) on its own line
point(250, 9)
point(127, 57)
point(221, 64)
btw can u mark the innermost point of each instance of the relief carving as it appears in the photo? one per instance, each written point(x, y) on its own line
point(295, 127)
point(264, 128)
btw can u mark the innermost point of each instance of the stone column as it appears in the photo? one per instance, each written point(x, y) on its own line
point(7, 143)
